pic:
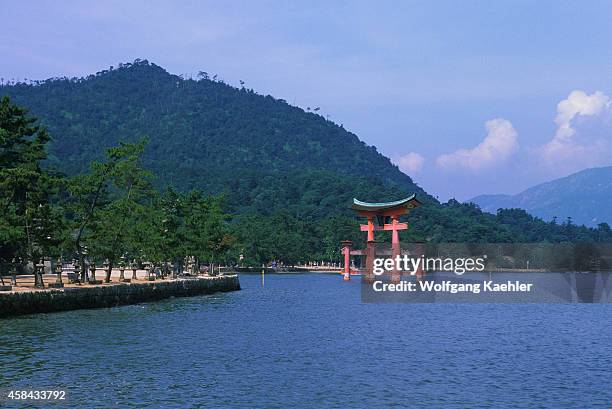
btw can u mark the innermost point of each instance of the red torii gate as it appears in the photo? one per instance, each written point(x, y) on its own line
point(381, 216)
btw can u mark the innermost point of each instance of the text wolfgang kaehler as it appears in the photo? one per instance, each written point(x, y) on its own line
point(453, 288)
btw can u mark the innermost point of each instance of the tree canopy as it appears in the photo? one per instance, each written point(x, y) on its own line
point(225, 172)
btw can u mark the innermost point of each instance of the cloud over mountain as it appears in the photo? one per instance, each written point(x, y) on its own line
point(572, 148)
point(499, 144)
point(564, 143)
point(410, 163)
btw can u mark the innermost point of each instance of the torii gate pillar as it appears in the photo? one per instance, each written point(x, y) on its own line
point(396, 275)
point(346, 250)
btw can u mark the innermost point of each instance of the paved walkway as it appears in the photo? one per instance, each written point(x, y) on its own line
point(26, 282)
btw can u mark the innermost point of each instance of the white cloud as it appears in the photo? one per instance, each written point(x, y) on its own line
point(500, 143)
point(564, 144)
point(578, 103)
point(410, 163)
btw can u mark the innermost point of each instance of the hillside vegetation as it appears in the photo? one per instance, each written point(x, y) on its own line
point(281, 171)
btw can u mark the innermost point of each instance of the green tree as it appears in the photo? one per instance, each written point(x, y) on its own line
point(206, 232)
point(31, 224)
point(172, 235)
point(103, 201)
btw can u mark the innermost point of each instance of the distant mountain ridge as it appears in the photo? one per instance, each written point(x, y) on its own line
point(585, 196)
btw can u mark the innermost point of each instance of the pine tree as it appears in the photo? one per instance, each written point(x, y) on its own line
point(31, 225)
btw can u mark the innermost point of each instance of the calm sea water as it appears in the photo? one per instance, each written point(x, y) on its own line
point(307, 341)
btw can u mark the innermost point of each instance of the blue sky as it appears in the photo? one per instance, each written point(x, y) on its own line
point(466, 96)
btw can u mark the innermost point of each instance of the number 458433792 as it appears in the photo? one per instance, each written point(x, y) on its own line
point(36, 395)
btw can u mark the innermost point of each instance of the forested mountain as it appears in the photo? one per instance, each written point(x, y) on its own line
point(273, 161)
point(584, 196)
point(201, 133)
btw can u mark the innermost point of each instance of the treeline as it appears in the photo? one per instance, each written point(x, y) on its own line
point(455, 222)
point(113, 214)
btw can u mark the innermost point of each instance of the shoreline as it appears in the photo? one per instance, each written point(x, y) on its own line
point(24, 301)
point(283, 270)
point(296, 271)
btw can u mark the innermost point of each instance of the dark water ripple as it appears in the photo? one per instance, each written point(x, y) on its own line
point(307, 341)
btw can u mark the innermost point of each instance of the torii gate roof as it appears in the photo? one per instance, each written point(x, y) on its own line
point(409, 202)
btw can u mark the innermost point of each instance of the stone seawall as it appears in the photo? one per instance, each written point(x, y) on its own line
point(51, 300)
